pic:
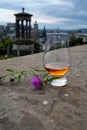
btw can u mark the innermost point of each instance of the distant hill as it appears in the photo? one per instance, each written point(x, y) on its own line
point(71, 30)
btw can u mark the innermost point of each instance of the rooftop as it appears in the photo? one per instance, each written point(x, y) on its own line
point(23, 13)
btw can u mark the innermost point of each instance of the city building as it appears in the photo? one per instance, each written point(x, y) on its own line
point(57, 37)
point(34, 32)
point(1, 28)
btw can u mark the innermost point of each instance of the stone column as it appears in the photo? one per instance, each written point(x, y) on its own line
point(26, 29)
point(29, 28)
point(22, 29)
point(18, 50)
point(17, 29)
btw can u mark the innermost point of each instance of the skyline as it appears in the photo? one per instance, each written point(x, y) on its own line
point(62, 14)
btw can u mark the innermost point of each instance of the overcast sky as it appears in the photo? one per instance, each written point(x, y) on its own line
point(63, 14)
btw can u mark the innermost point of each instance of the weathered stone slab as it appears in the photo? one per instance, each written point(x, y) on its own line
point(23, 108)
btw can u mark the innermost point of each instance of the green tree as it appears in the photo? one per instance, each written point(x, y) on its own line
point(79, 40)
point(5, 45)
point(75, 41)
point(2, 46)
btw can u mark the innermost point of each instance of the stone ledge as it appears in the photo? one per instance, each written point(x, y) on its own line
point(23, 108)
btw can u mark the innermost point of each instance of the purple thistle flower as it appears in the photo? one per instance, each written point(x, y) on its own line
point(37, 82)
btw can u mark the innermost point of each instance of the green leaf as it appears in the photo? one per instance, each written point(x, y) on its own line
point(38, 69)
point(24, 73)
point(11, 70)
point(2, 78)
point(46, 77)
point(35, 68)
point(52, 78)
point(35, 74)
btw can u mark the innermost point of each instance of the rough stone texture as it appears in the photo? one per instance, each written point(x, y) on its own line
point(22, 108)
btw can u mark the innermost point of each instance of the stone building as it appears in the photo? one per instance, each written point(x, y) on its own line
point(34, 32)
point(25, 34)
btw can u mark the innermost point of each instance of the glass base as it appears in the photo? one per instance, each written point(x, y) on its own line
point(60, 82)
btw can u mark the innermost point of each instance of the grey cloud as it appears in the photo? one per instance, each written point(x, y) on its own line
point(73, 11)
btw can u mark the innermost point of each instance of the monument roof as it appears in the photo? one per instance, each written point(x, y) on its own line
point(23, 13)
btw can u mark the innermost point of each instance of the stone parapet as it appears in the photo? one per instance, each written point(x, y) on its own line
point(23, 108)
